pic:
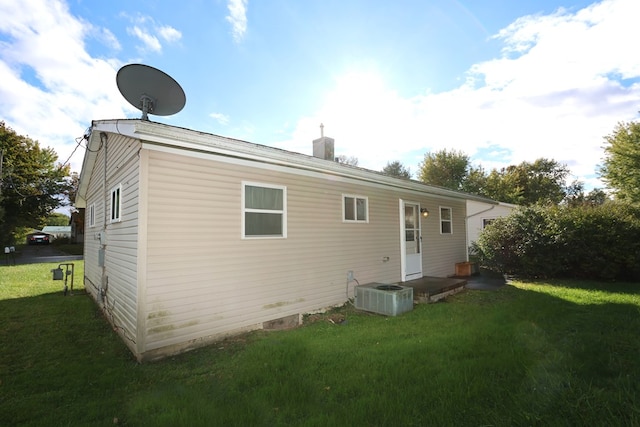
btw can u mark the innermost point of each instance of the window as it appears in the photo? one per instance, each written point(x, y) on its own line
point(264, 210)
point(116, 203)
point(355, 208)
point(446, 226)
point(92, 215)
point(487, 221)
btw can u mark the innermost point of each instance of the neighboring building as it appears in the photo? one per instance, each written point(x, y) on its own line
point(190, 237)
point(481, 213)
point(76, 222)
point(58, 231)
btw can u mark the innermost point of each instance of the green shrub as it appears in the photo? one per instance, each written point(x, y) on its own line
point(599, 242)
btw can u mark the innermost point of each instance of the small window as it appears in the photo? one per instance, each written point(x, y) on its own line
point(92, 215)
point(446, 226)
point(264, 210)
point(486, 222)
point(355, 208)
point(116, 204)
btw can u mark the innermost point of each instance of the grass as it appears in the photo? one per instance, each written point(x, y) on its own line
point(553, 353)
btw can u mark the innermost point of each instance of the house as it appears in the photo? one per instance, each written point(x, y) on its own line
point(191, 237)
point(481, 213)
point(58, 231)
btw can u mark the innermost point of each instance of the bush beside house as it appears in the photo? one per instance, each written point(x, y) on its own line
point(595, 242)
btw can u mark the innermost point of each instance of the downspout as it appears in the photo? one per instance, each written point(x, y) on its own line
point(103, 234)
point(466, 219)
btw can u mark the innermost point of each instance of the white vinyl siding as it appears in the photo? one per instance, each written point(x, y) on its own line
point(120, 279)
point(446, 220)
point(440, 251)
point(355, 208)
point(479, 214)
point(180, 274)
point(264, 210)
point(203, 282)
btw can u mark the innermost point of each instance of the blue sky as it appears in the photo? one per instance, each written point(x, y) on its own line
point(503, 81)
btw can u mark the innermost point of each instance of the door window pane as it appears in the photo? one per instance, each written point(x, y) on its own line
point(409, 217)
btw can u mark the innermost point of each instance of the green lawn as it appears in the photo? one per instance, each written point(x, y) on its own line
point(553, 353)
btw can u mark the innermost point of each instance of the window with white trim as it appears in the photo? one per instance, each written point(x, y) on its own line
point(92, 215)
point(116, 204)
point(264, 210)
point(486, 222)
point(355, 208)
point(446, 221)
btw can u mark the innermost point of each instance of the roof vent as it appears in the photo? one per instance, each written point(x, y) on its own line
point(323, 147)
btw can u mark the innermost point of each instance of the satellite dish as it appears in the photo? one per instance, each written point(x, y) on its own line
point(150, 90)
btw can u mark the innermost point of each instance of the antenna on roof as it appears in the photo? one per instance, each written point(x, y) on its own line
point(150, 90)
point(321, 130)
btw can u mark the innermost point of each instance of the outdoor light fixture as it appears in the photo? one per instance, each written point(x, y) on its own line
point(424, 212)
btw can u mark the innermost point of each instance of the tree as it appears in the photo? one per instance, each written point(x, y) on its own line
point(576, 196)
point(74, 182)
point(444, 168)
point(32, 184)
point(397, 169)
point(543, 181)
point(351, 161)
point(57, 219)
point(621, 164)
point(476, 181)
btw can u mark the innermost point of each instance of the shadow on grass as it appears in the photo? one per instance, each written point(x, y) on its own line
point(58, 351)
point(516, 356)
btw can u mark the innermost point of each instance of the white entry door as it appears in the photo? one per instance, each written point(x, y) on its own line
point(411, 241)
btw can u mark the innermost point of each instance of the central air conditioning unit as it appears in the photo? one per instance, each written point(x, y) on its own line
point(390, 300)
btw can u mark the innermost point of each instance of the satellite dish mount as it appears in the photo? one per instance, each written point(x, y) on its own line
point(147, 105)
point(150, 90)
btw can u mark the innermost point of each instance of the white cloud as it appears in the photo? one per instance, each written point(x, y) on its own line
point(555, 93)
point(223, 119)
point(169, 34)
point(146, 30)
point(106, 37)
point(50, 87)
point(238, 18)
point(149, 41)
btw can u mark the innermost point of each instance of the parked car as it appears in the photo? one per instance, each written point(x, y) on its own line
point(38, 239)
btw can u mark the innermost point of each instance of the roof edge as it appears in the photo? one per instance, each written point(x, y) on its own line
point(178, 137)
